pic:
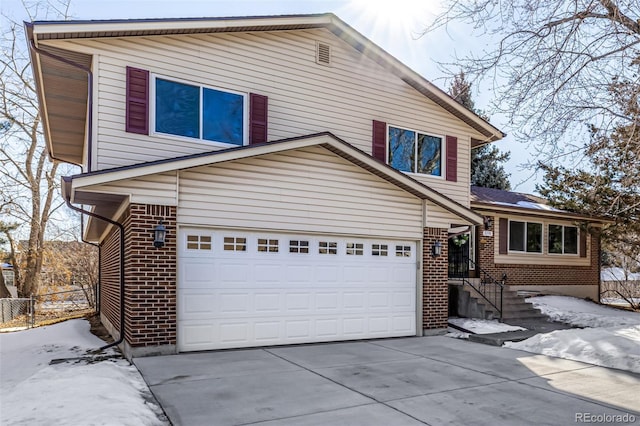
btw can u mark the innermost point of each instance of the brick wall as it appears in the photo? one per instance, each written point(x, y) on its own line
point(150, 277)
point(435, 302)
point(526, 274)
point(110, 277)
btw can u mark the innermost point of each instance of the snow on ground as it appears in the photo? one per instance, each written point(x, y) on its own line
point(582, 313)
point(479, 326)
point(611, 337)
point(32, 392)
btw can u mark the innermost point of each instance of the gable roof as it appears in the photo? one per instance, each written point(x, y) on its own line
point(74, 184)
point(517, 202)
point(57, 68)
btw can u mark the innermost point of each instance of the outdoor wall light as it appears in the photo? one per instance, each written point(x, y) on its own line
point(160, 235)
point(436, 250)
point(488, 222)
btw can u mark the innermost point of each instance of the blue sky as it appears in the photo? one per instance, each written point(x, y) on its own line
point(392, 24)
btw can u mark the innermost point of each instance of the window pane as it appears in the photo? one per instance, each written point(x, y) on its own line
point(177, 108)
point(516, 236)
point(571, 240)
point(534, 237)
point(222, 117)
point(402, 149)
point(555, 239)
point(429, 155)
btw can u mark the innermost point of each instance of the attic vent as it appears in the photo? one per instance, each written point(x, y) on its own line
point(323, 54)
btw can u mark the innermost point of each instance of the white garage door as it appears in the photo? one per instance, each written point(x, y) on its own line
point(257, 289)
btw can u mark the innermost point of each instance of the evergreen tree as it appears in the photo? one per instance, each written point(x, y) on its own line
point(608, 184)
point(487, 168)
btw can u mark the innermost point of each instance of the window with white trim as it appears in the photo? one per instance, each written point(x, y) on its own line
point(415, 152)
point(267, 245)
point(525, 237)
point(199, 112)
point(235, 244)
point(355, 249)
point(327, 247)
point(403, 251)
point(298, 246)
point(379, 249)
point(199, 242)
point(563, 239)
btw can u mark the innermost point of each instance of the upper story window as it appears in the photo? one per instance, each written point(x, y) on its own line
point(199, 112)
point(563, 239)
point(414, 152)
point(525, 236)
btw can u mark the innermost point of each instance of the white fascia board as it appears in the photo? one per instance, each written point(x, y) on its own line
point(170, 24)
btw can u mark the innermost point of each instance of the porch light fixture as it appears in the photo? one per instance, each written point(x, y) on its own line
point(436, 250)
point(160, 235)
point(488, 222)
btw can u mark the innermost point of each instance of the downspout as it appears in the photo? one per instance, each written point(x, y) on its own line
point(36, 49)
point(120, 226)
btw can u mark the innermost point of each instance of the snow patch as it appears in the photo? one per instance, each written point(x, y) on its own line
point(32, 392)
point(479, 326)
point(611, 337)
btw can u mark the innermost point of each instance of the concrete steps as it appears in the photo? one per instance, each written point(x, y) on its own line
point(469, 303)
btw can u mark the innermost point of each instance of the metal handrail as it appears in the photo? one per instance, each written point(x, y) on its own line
point(495, 297)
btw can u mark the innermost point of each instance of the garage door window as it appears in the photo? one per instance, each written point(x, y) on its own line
point(356, 249)
point(298, 246)
point(325, 247)
point(403, 251)
point(266, 245)
point(379, 250)
point(235, 244)
point(199, 242)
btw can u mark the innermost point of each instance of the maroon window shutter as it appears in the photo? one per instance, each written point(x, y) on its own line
point(258, 116)
point(504, 236)
point(379, 142)
point(452, 158)
point(137, 118)
point(583, 243)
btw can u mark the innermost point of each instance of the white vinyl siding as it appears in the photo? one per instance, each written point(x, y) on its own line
point(158, 189)
point(304, 97)
point(309, 190)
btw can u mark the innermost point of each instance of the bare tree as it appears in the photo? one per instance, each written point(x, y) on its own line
point(551, 63)
point(28, 179)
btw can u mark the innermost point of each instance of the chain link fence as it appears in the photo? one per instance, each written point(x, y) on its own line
point(17, 312)
point(45, 308)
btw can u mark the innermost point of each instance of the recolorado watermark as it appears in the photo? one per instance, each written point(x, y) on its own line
point(605, 418)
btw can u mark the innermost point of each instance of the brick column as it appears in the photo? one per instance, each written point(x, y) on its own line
point(150, 281)
point(435, 286)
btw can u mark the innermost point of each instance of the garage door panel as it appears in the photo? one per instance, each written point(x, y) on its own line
point(267, 303)
point(232, 272)
point(231, 299)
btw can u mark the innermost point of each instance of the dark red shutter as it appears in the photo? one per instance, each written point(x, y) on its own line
point(504, 236)
point(583, 243)
point(452, 158)
point(137, 118)
point(379, 142)
point(258, 117)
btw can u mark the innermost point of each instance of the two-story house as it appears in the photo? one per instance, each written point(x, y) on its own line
point(306, 178)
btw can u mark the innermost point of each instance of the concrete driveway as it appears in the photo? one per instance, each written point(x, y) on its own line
point(406, 381)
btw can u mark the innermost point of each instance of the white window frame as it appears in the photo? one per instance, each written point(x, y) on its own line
point(200, 140)
point(577, 253)
point(443, 152)
point(542, 238)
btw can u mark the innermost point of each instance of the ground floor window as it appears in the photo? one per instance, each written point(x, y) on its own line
point(525, 236)
point(563, 239)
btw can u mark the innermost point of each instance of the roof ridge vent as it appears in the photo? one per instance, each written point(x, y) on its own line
point(323, 53)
